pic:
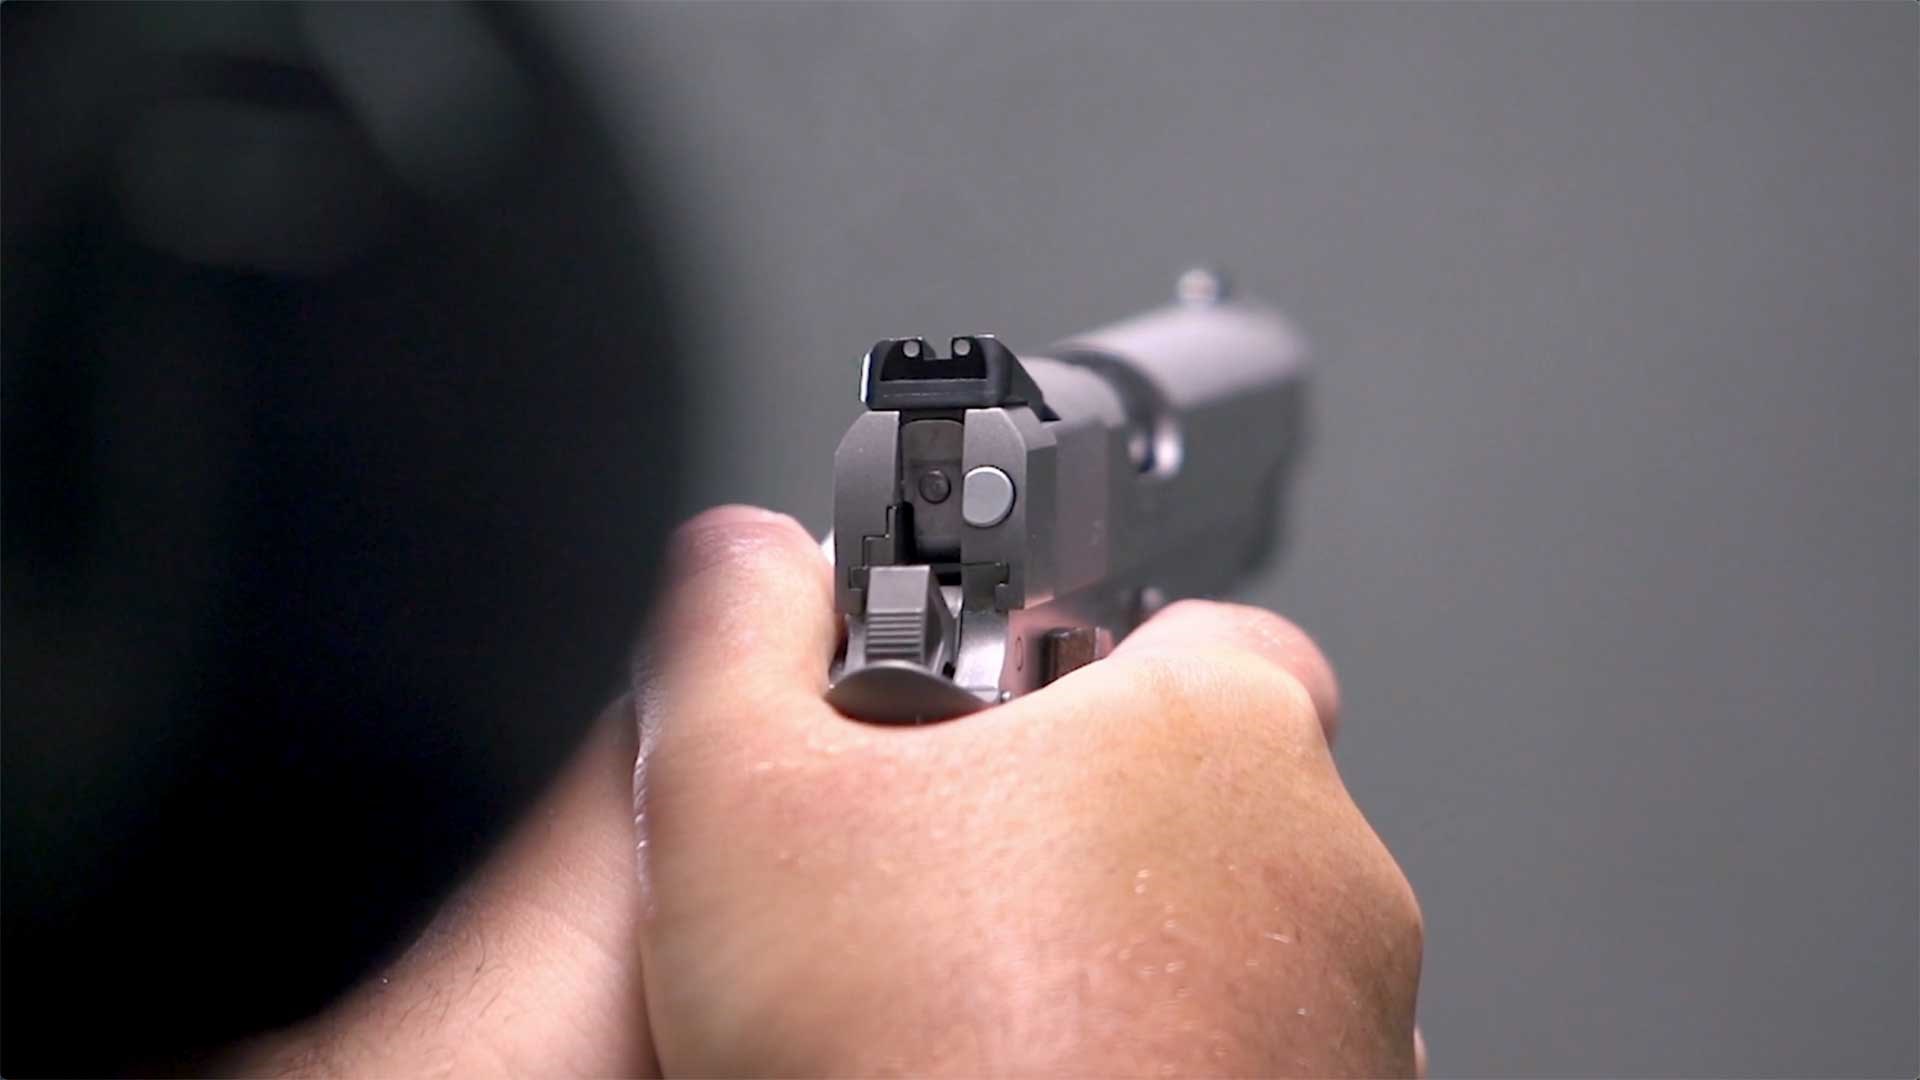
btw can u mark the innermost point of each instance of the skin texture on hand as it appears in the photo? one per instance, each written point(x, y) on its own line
point(1150, 867)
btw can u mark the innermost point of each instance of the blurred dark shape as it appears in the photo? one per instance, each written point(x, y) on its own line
point(339, 416)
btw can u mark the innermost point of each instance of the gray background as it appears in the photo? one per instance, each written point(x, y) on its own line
point(1610, 524)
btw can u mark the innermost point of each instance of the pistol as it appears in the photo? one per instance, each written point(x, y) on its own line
point(1001, 520)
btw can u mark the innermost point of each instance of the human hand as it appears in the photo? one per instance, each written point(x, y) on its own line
point(1149, 867)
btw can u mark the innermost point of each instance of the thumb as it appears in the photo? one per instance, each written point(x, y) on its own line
point(748, 611)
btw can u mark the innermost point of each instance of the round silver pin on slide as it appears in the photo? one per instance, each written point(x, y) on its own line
point(986, 497)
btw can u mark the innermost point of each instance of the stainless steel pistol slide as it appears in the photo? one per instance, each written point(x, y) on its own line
point(1001, 520)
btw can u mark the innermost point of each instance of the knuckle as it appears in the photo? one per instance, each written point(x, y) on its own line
point(1294, 711)
point(1395, 908)
point(1281, 640)
point(1261, 622)
point(1244, 620)
point(1251, 683)
point(1226, 684)
point(1159, 682)
point(1405, 912)
point(1255, 630)
point(1286, 647)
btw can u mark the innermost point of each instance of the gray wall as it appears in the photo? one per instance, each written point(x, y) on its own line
point(1610, 525)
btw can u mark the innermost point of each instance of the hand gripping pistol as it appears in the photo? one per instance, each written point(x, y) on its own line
point(999, 521)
